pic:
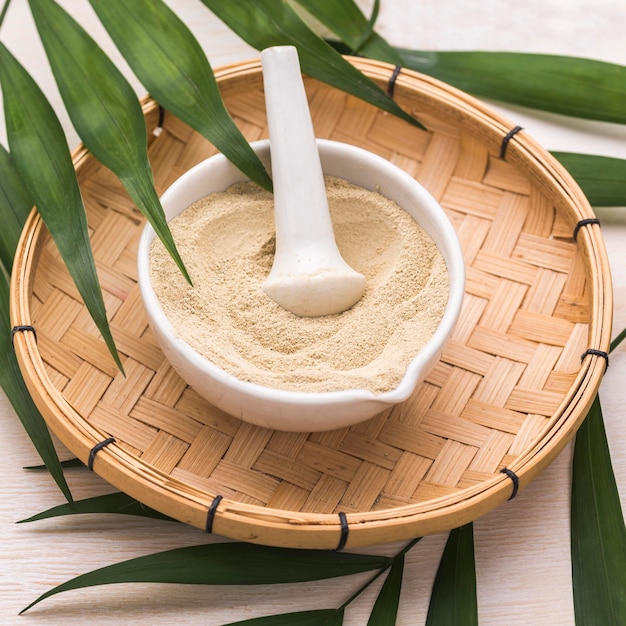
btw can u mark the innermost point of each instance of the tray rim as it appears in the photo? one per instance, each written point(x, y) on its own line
point(292, 528)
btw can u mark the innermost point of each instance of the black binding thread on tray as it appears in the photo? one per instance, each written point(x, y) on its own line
point(96, 449)
point(159, 127)
point(507, 138)
point(211, 513)
point(391, 85)
point(345, 529)
point(514, 479)
point(585, 222)
point(600, 353)
point(22, 329)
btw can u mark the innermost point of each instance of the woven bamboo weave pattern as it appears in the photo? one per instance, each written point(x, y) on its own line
point(503, 382)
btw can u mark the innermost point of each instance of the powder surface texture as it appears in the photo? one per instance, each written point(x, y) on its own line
point(227, 243)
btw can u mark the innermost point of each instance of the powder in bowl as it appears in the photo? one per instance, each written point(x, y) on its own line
point(227, 243)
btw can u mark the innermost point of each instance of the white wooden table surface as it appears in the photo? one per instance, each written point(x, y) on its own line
point(522, 547)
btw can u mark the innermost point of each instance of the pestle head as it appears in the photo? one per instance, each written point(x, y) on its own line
point(326, 292)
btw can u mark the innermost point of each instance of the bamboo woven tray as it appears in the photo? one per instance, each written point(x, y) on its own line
point(508, 394)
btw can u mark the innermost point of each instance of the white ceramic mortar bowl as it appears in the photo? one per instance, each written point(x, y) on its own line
point(292, 410)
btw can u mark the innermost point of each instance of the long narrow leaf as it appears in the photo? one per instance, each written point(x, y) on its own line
point(602, 179)
point(319, 617)
point(40, 152)
point(3, 10)
point(266, 23)
point(618, 339)
point(453, 600)
point(598, 534)
point(386, 606)
point(15, 203)
point(170, 63)
point(109, 503)
point(345, 20)
point(104, 110)
point(226, 564)
point(368, 33)
point(13, 385)
point(567, 85)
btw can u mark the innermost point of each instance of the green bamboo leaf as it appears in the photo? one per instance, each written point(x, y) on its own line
point(345, 20)
point(319, 617)
point(170, 63)
point(602, 179)
point(598, 534)
point(566, 85)
point(453, 600)
point(368, 33)
point(266, 23)
point(386, 606)
point(104, 110)
point(13, 385)
point(4, 10)
point(118, 502)
point(16, 203)
point(40, 152)
point(618, 339)
point(226, 564)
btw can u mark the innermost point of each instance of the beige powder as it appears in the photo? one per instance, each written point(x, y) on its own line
point(227, 243)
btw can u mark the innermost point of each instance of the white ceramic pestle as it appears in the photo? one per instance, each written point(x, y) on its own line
point(309, 276)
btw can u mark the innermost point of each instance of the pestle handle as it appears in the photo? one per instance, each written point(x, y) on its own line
point(296, 168)
point(309, 276)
